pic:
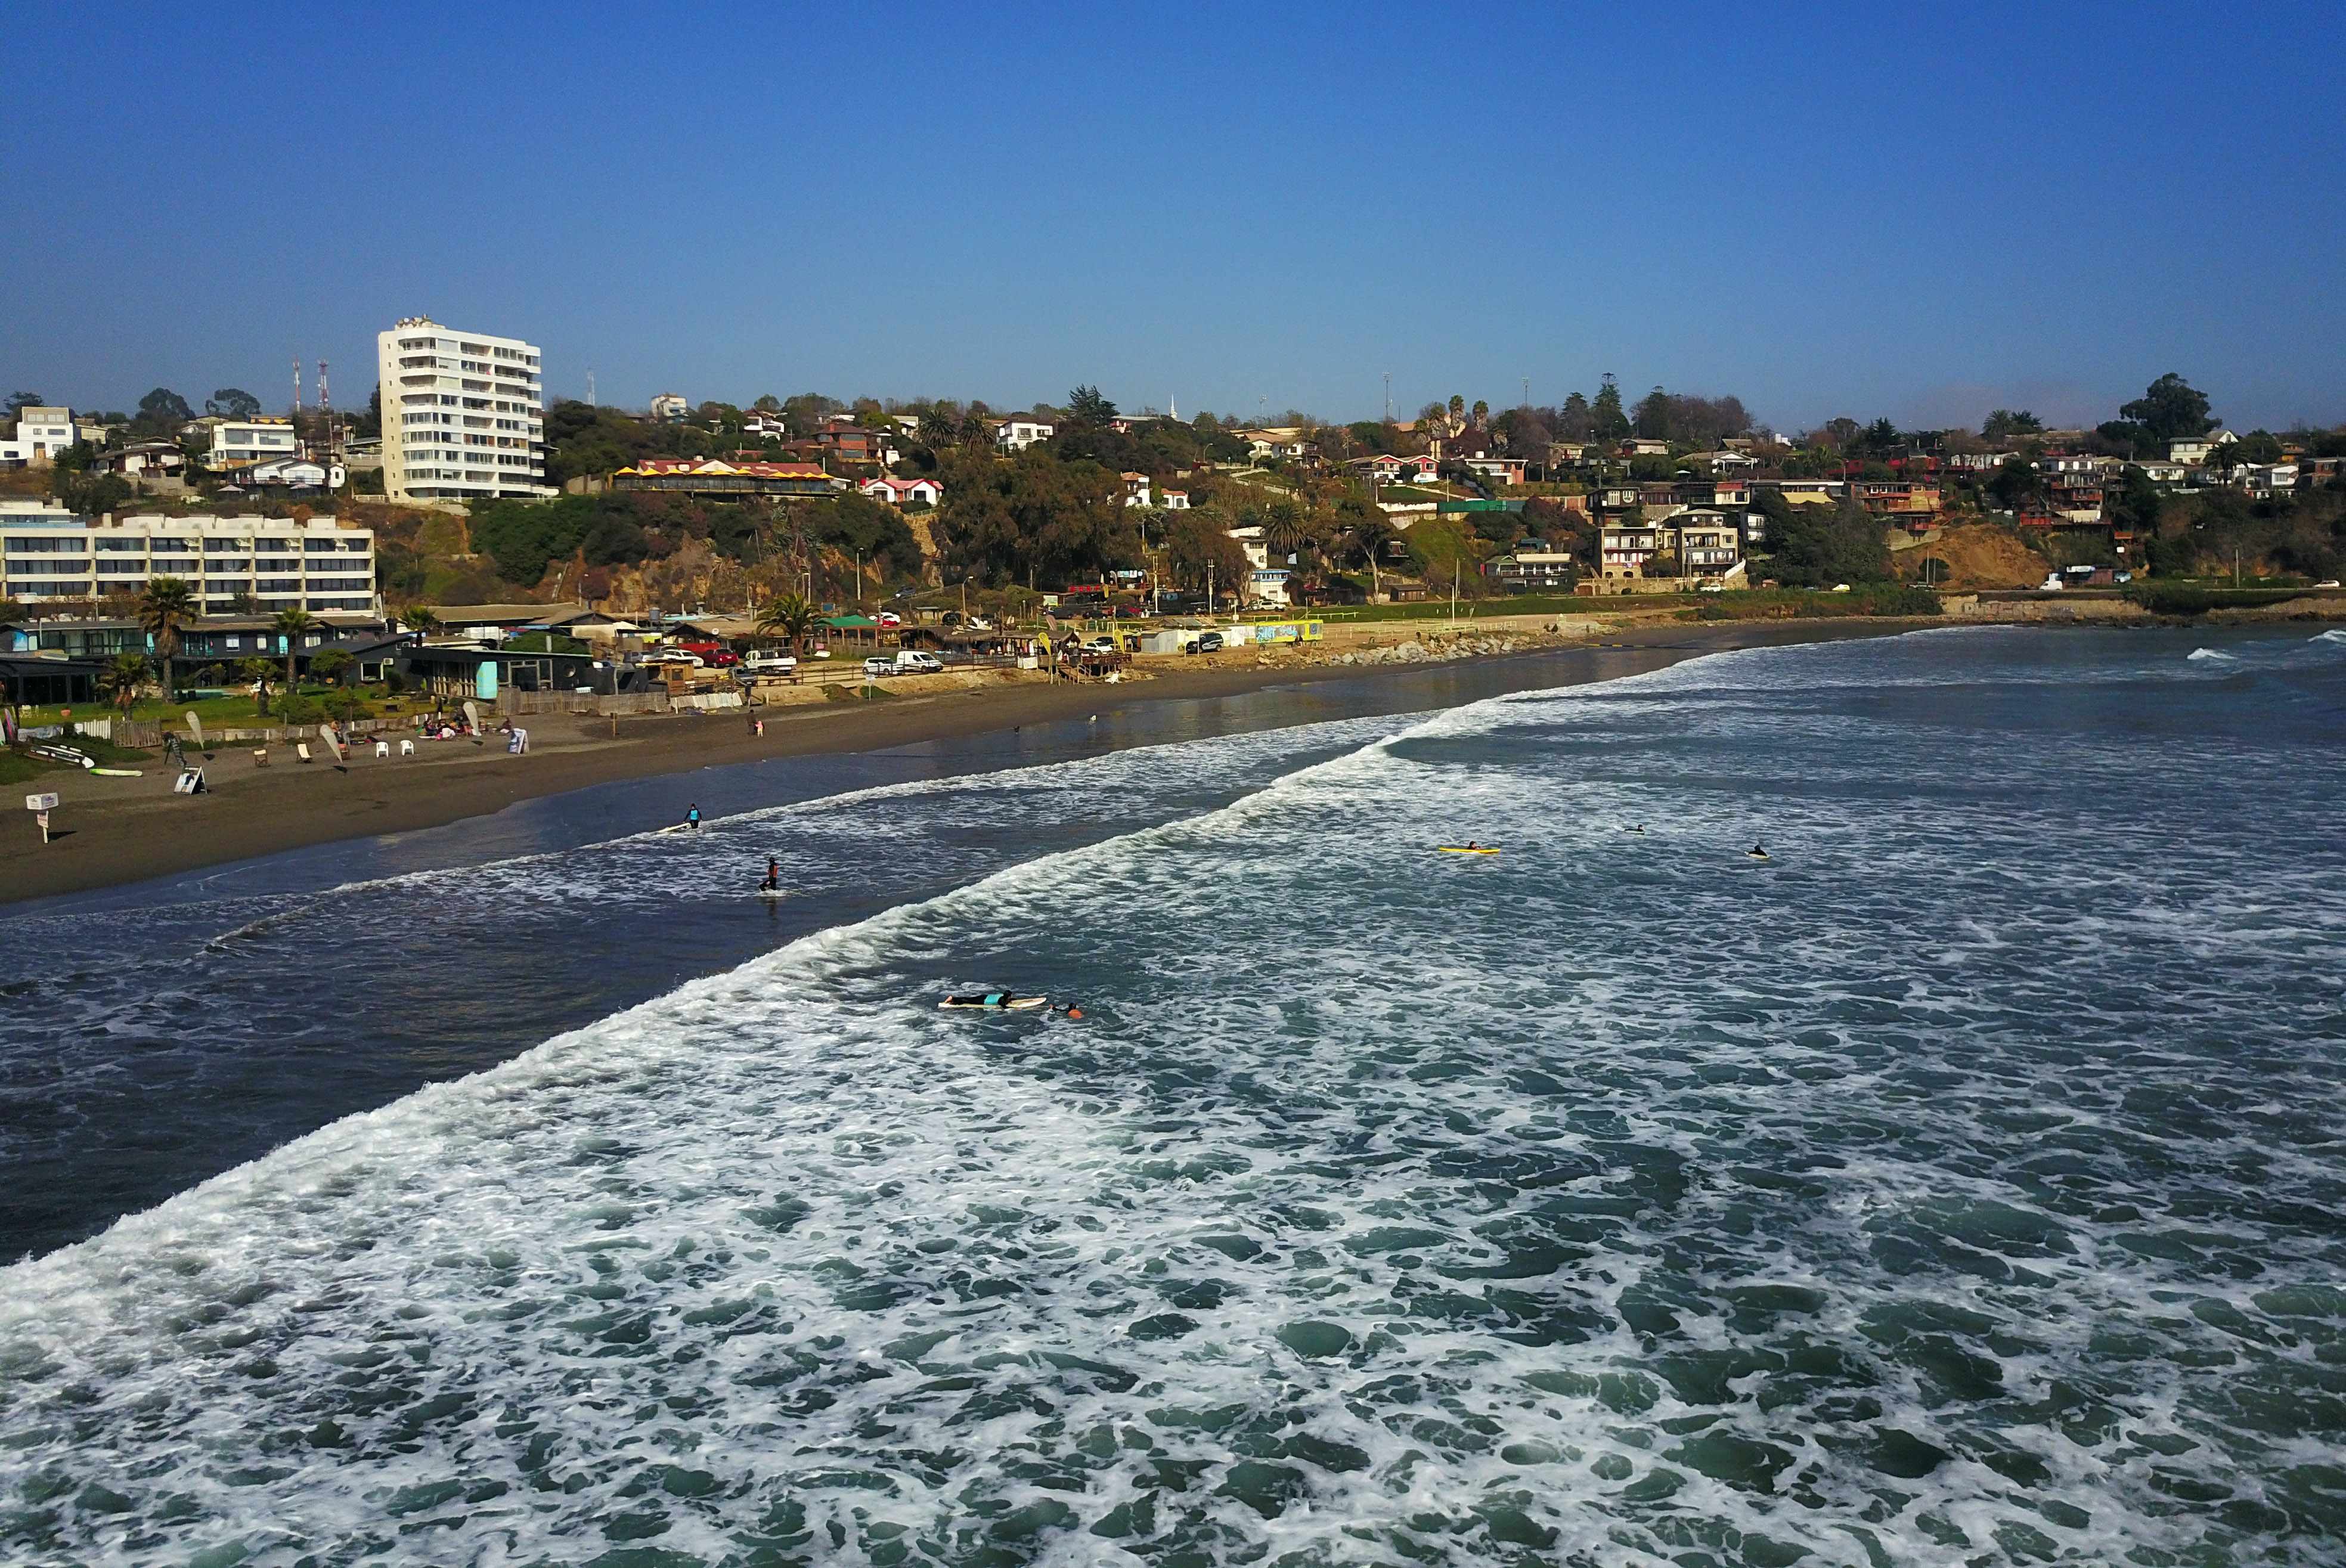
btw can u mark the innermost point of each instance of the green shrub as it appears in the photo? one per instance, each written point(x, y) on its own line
point(2193, 599)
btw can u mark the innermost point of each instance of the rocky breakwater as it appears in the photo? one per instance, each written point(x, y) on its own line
point(1437, 647)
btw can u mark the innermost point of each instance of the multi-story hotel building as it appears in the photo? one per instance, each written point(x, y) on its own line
point(463, 415)
point(275, 563)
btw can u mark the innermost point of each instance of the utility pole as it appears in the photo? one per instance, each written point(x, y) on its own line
point(590, 387)
point(1389, 397)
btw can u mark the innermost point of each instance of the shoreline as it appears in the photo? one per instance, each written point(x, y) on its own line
point(130, 833)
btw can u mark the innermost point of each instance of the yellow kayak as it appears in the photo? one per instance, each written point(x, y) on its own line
point(1464, 849)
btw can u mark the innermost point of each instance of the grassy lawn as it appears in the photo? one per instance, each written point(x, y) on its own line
point(239, 711)
point(18, 768)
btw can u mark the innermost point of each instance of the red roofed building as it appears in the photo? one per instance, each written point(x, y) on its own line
point(905, 491)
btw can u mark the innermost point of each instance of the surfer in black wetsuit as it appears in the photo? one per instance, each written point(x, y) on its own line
point(773, 882)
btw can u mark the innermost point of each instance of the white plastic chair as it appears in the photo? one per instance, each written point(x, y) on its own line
point(407, 748)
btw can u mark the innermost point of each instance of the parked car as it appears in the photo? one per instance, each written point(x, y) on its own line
point(980, 624)
point(1206, 642)
point(1100, 645)
point(877, 665)
point(914, 661)
point(723, 658)
point(673, 656)
point(769, 664)
point(890, 618)
point(1132, 611)
point(1710, 586)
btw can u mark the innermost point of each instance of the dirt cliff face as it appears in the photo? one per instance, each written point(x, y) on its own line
point(1975, 556)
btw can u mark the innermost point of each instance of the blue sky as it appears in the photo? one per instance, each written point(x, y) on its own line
point(1867, 210)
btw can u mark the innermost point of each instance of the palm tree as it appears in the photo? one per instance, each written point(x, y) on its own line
point(419, 619)
point(121, 679)
point(260, 672)
point(168, 605)
point(938, 431)
point(1283, 529)
point(291, 622)
point(787, 616)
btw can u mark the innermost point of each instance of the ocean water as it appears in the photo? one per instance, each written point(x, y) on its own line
point(1962, 1184)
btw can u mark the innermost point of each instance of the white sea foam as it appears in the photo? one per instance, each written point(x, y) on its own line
point(1599, 1202)
point(2217, 654)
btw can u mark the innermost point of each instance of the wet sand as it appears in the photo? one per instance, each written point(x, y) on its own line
point(115, 831)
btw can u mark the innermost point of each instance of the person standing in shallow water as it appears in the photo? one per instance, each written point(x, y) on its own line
point(692, 819)
point(773, 882)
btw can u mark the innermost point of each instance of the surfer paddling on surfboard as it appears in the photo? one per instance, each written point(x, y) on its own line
point(1757, 852)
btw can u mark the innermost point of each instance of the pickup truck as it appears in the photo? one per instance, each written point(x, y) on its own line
point(769, 664)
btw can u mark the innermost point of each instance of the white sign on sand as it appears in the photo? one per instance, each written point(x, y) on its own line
point(40, 802)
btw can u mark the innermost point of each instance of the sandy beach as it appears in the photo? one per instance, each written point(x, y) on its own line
point(113, 832)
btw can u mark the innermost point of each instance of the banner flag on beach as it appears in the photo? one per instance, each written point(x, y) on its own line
point(333, 742)
point(196, 728)
point(473, 718)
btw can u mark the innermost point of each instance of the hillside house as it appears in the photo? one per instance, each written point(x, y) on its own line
point(1018, 434)
point(904, 492)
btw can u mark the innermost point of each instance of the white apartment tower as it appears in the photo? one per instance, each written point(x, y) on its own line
point(463, 415)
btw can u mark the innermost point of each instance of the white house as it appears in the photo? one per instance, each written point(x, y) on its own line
point(2191, 451)
point(1250, 540)
point(763, 425)
point(1174, 500)
point(670, 407)
point(904, 492)
point(159, 458)
point(237, 441)
point(291, 472)
point(2268, 478)
point(1268, 588)
point(1498, 470)
point(1135, 489)
point(41, 434)
point(1018, 434)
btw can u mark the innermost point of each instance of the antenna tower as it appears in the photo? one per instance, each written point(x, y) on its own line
point(1389, 397)
point(590, 389)
point(325, 402)
point(297, 386)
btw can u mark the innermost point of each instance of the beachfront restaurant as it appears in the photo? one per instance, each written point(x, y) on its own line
point(29, 681)
point(458, 671)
